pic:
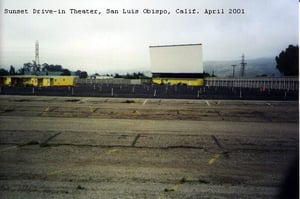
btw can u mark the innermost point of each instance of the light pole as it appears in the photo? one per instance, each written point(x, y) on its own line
point(233, 70)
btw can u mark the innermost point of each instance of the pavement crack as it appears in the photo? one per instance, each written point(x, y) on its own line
point(41, 144)
point(183, 146)
point(224, 151)
point(128, 146)
point(45, 143)
point(135, 139)
point(217, 142)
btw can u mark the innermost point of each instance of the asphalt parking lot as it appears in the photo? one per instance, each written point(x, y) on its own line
point(88, 147)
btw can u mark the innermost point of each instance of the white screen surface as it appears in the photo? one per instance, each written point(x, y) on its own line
point(176, 59)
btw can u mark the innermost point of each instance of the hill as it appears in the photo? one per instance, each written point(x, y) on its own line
point(254, 67)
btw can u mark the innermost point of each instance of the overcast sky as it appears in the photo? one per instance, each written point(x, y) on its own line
point(106, 42)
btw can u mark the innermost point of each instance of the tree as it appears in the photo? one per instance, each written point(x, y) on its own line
point(117, 76)
point(12, 70)
point(31, 67)
point(27, 67)
point(83, 74)
point(65, 72)
point(3, 72)
point(51, 67)
point(288, 61)
point(36, 67)
point(57, 68)
point(205, 74)
point(77, 73)
point(135, 75)
point(21, 71)
point(45, 67)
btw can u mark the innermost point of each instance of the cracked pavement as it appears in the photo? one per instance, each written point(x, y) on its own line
point(57, 147)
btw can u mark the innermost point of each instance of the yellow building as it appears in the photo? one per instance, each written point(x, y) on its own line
point(179, 81)
point(25, 81)
point(62, 81)
point(42, 81)
point(6, 80)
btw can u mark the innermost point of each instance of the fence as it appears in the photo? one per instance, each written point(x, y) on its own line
point(277, 83)
point(154, 91)
point(113, 81)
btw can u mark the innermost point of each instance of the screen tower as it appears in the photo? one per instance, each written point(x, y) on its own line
point(37, 55)
point(179, 64)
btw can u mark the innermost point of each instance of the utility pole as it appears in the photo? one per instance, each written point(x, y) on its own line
point(243, 65)
point(233, 70)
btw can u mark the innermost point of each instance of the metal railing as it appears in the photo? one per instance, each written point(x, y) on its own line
point(278, 83)
point(113, 81)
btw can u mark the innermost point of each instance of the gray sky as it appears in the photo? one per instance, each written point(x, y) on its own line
point(102, 42)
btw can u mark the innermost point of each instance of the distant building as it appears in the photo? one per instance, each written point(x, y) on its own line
point(101, 77)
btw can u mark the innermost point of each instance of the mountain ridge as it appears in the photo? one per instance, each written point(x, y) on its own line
point(265, 66)
point(254, 67)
